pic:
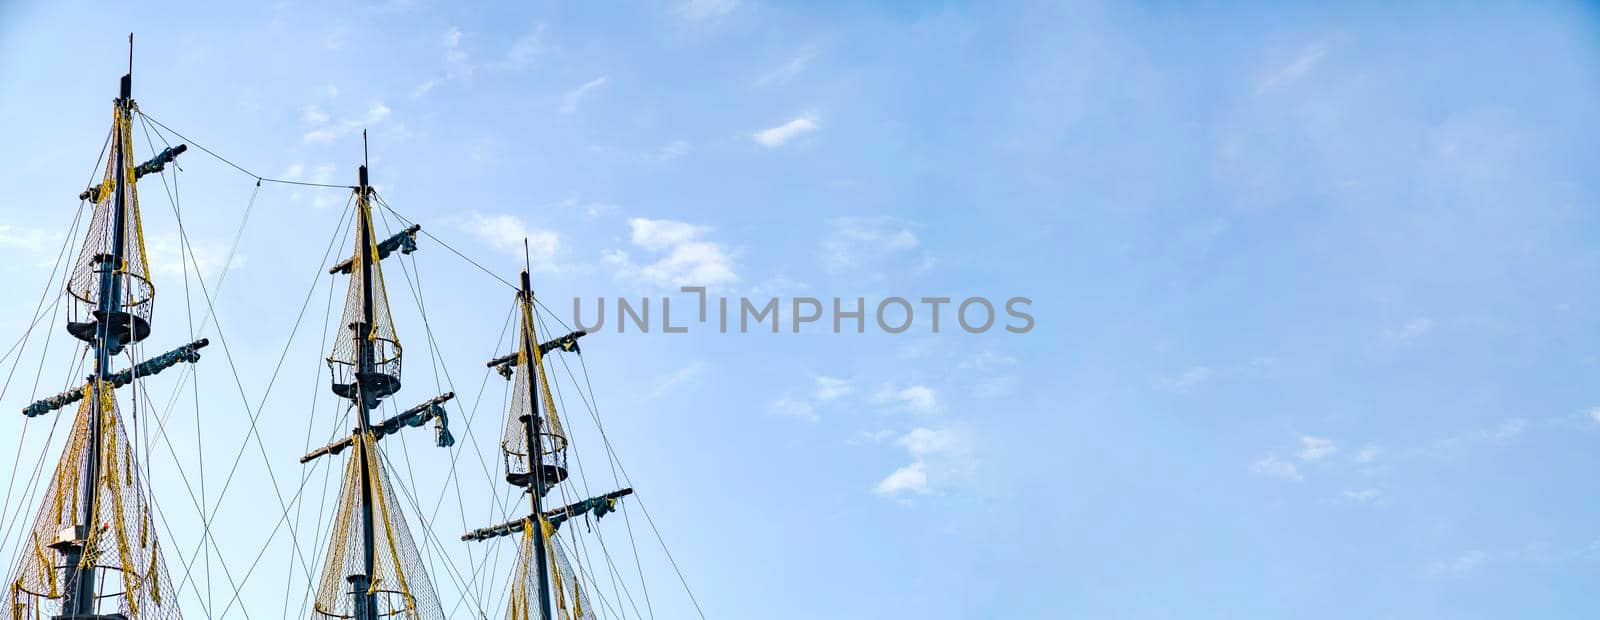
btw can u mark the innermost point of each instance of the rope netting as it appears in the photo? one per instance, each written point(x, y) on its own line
point(514, 438)
point(569, 601)
point(400, 583)
point(133, 274)
point(385, 345)
point(122, 544)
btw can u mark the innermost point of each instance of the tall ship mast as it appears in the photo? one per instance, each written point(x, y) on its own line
point(533, 443)
point(92, 553)
point(372, 568)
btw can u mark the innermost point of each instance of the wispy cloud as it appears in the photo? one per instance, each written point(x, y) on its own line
point(570, 101)
point(829, 388)
point(1316, 448)
point(167, 256)
point(913, 398)
point(791, 407)
point(505, 233)
point(1409, 332)
point(774, 137)
point(325, 131)
point(1270, 466)
point(867, 245)
point(29, 240)
point(1466, 563)
point(685, 257)
point(524, 52)
point(1294, 71)
point(706, 10)
point(911, 478)
point(1498, 435)
point(791, 69)
point(938, 456)
point(1365, 496)
point(1188, 379)
point(682, 376)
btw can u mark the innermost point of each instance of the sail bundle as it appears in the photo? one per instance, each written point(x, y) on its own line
point(115, 247)
point(366, 294)
point(514, 438)
point(120, 541)
point(571, 603)
point(399, 583)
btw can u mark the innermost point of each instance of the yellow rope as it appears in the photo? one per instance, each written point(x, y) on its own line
point(369, 453)
point(45, 566)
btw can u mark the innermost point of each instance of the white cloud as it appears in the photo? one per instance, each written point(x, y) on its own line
point(569, 102)
point(1190, 378)
point(524, 52)
point(323, 173)
point(1365, 496)
point(1290, 73)
point(28, 240)
point(678, 377)
point(1594, 414)
point(912, 478)
point(506, 233)
point(1368, 454)
point(923, 442)
point(1466, 563)
point(829, 388)
point(788, 71)
point(452, 37)
point(1270, 466)
point(663, 234)
point(938, 457)
point(167, 256)
point(873, 437)
point(423, 89)
point(685, 258)
point(1406, 334)
point(989, 360)
point(914, 398)
point(313, 114)
point(854, 244)
point(1497, 435)
point(794, 408)
point(706, 10)
point(327, 132)
point(294, 171)
point(319, 135)
point(774, 137)
point(1316, 448)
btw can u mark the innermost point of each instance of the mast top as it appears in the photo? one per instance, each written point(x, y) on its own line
point(127, 79)
point(364, 161)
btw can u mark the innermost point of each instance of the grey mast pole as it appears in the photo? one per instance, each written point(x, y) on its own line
point(81, 594)
point(531, 426)
point(366, 607)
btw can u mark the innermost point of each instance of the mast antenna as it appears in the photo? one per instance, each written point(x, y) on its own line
point(130, 53)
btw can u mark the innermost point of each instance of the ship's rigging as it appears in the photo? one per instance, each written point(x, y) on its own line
point(100, 546)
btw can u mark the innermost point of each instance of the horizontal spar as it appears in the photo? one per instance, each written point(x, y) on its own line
point(601, 506)
point(416, 416)
point(156, 164)
point(405, 241)
point(186, 353)
point(568, 342)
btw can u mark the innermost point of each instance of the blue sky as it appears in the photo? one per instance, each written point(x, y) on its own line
point(1311, 286)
